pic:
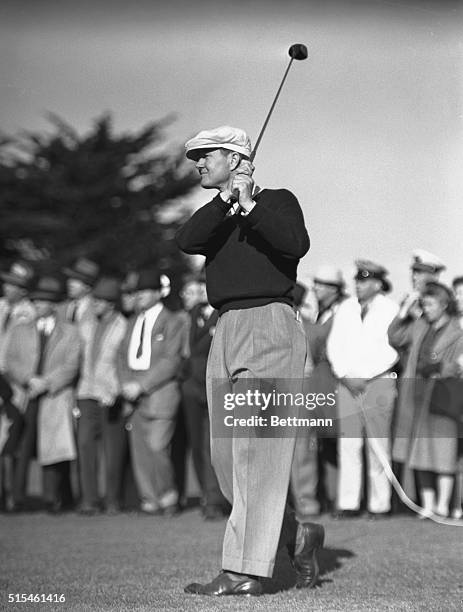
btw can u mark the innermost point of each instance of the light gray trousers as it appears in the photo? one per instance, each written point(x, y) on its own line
point(265, 342)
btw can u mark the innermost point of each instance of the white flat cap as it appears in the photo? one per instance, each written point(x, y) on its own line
point(223, 137)
point(426, 261)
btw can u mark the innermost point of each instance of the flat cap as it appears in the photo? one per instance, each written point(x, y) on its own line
point(223, 137)
point(426, 262)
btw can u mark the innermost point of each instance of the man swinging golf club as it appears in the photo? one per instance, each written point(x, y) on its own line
point(252, 243)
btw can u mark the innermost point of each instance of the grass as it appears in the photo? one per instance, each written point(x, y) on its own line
point(131, 562)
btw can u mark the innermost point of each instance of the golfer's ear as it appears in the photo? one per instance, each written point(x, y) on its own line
point(235, 160)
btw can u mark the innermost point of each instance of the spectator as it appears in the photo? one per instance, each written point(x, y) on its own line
point(148, 361)
point(203, 319)
point(98, 394)
point(10, 434)
point(329, 291)
point(304, 468)
point(42, 361)
point(81, 277)
point(457, 511)
point(425, 267)
point(428, 442)
point(128, 293)
point(15, 306)
point(363, 360)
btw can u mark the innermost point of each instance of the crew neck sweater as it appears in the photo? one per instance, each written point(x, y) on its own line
point(250, 260)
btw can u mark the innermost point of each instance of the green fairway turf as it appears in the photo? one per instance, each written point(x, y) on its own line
point(132, 562)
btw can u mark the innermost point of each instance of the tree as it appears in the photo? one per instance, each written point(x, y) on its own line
point(100, 195)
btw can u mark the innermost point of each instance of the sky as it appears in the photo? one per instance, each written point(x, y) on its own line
point(367, 132)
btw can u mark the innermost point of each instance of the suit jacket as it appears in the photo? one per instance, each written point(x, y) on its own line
point(86, 314)
point(55, 436)
point(98, 380)
point(201, 331)
point(161, 396)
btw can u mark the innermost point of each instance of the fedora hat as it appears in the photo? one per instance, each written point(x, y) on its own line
point(84, 270)
point(130, 282)
point(107, 288)
point(20, 274)
point(148, 278)
point(48, 288)
point(367, 269)
point(329, 275)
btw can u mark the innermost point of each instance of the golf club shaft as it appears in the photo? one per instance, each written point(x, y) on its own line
point(259, 138)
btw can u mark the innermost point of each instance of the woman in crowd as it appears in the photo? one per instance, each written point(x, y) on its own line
point(427, 442)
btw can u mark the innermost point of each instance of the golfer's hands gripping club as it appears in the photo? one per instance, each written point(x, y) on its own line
point(241, 185)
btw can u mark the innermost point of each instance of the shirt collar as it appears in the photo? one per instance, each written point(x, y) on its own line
point(46, 324)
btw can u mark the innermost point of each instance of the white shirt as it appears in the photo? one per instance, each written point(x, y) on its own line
point(361, 349)
point(143, 361)
point(46, 324)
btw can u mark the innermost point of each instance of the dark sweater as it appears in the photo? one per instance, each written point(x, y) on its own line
point(250, 261)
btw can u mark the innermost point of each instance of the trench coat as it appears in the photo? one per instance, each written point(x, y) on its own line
point(55, 435)
point(423, 440)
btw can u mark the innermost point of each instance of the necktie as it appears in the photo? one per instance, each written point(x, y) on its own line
point(72, 312)
point(364, 311)
point(140, 344)
point(43, 337)
point(6, 320)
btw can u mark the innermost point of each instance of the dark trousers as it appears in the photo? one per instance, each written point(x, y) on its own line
point(178, 453)
point(26, 451)
point(57, 484)
point(198, 428)
point(100, 423)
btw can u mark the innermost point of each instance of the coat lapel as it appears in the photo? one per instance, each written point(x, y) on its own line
point(159, 323)
point(53, 341)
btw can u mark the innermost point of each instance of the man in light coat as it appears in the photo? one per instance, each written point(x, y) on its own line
point(42, 362)
point(363, 360)
point(148, 362)
point(15, 306)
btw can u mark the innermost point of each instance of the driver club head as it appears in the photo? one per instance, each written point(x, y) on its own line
point(298, 51)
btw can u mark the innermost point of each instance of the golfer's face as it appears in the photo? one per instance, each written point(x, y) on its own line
point(214, 168)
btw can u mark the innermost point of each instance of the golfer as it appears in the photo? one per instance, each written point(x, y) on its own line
point(252, 242)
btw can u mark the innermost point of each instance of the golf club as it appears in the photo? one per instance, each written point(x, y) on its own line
point(296, 52)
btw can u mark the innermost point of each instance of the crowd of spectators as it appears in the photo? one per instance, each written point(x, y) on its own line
point(104, 386)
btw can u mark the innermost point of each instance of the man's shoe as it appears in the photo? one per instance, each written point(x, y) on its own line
point(310, 538)
point(151, 508)
point(53, 507)
point(214, 513)
point(378, 516)
point(171, 511)
point(87, 510)
point(227, 583)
